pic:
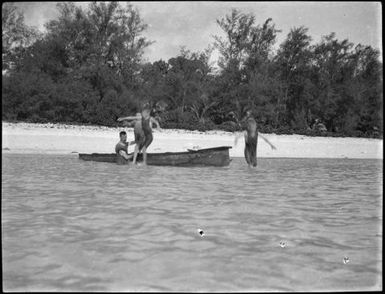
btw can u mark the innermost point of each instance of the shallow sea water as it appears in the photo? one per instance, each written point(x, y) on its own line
point(288, 225)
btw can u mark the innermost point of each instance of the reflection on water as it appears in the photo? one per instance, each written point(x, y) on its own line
point(71, 225)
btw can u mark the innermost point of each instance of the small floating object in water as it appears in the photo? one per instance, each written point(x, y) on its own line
point(346, 260)
point(201, 232)
point(282, 244)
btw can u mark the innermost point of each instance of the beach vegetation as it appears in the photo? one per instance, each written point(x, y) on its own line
point(88, 68)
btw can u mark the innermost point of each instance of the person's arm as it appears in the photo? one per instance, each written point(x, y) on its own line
point(124, 154)
point(267, 141)
point(153, 120)
point(128, 118)
point(237, 137)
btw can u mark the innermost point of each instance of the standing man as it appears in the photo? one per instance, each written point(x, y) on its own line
point(143, 133)
point(251, 140)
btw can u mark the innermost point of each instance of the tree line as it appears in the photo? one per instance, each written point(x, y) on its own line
point(88, 68)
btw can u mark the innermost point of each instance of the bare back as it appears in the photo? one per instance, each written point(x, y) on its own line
point(251, 127)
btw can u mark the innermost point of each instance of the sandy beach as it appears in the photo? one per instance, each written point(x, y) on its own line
point(70, 139)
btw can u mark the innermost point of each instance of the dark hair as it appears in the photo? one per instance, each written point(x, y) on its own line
point(147, 108)
point(122, 133)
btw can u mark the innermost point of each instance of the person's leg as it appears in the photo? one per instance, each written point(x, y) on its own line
point(147, 143)
point(247, 155)
point(245, 152)
point(138, 137)
point(253, 155)
point(247, 149)
point(136, 153)
point(144, 152)
point(140, 140)
point(254, 162)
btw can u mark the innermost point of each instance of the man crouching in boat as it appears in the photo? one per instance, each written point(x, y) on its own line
point(122, 156)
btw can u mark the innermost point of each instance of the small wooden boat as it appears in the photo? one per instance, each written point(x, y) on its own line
point(218, 156)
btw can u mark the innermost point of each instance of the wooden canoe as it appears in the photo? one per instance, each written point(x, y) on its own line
point(218, 156)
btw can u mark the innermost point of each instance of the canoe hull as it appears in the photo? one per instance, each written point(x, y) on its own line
point(218, 156)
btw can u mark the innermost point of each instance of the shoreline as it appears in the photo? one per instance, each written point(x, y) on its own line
point(49, 138)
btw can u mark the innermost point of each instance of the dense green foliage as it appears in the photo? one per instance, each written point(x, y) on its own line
point(87, 68)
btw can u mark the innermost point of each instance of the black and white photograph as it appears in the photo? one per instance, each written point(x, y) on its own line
point(192, 146)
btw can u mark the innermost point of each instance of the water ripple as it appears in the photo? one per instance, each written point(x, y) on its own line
point(70, 225)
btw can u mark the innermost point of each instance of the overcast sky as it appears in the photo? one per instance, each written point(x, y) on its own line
point(192, 24)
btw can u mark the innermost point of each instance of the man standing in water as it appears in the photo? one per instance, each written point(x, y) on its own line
point(251, 140)
point(121, 151)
